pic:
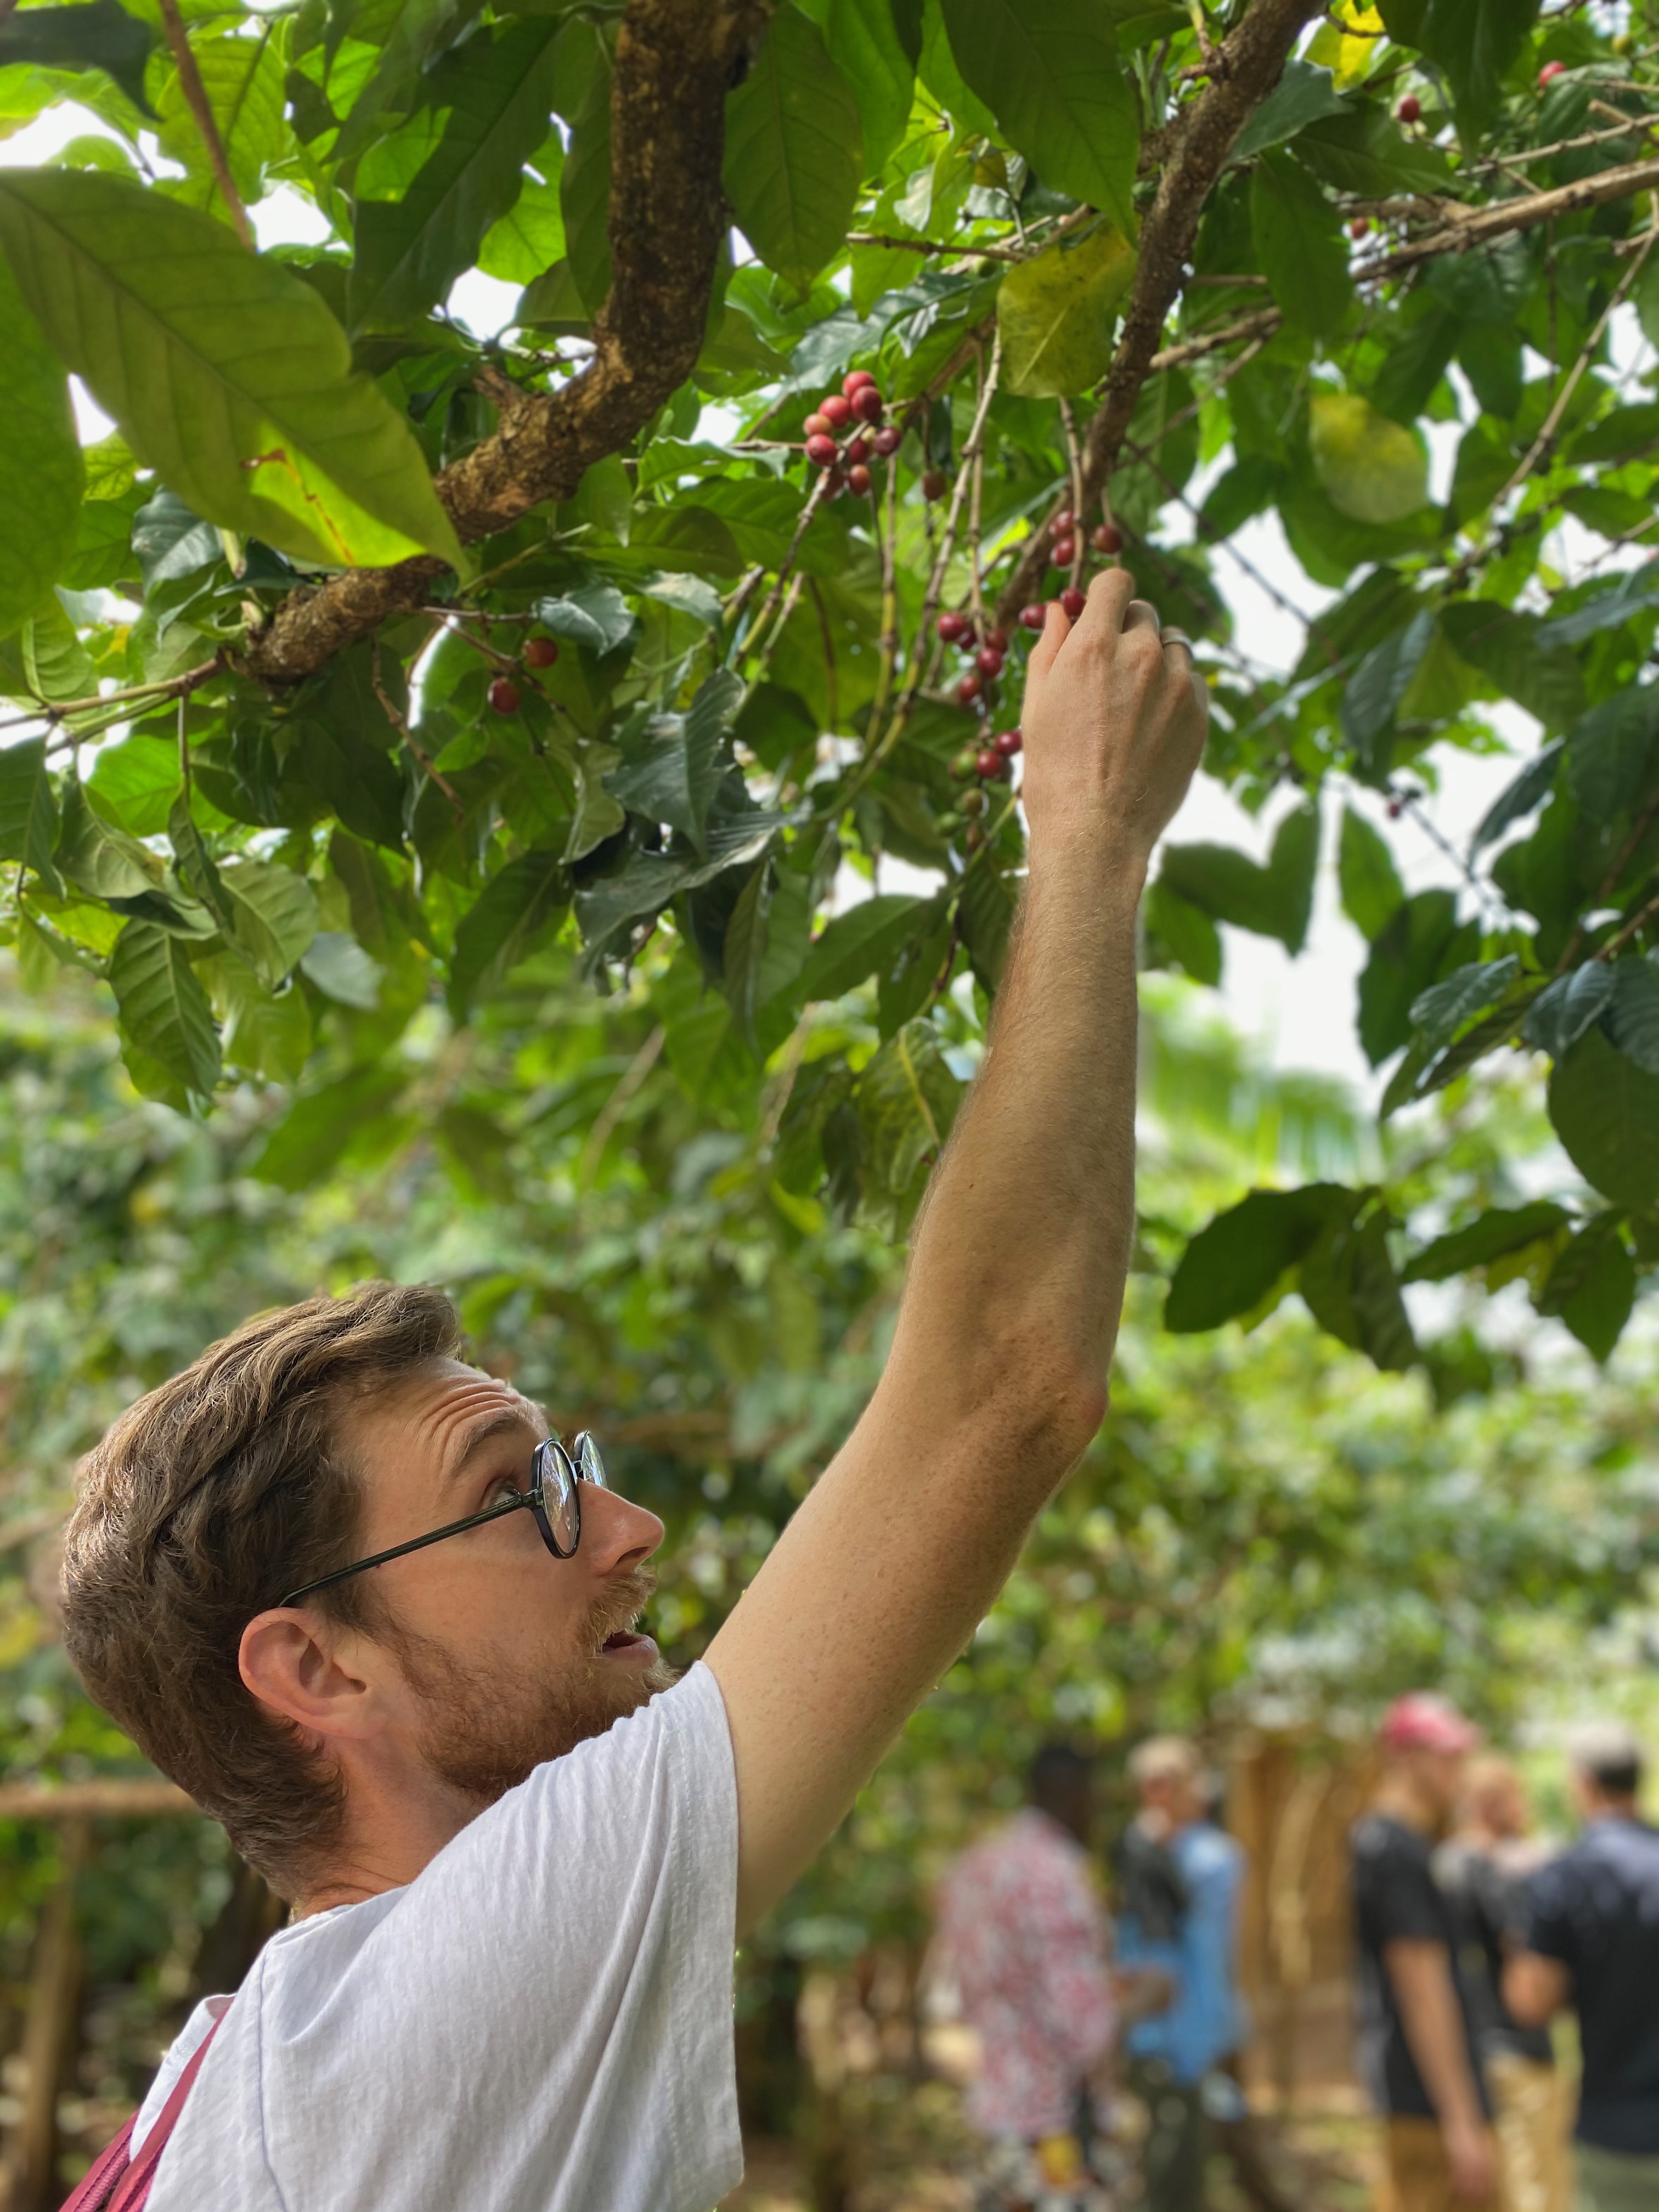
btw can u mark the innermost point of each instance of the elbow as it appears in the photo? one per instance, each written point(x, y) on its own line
point(1059, 1409)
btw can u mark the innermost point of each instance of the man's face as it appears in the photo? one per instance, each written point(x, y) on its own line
point(1440, 1776)
point(510, 1656)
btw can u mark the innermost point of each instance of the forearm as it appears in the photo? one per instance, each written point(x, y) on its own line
point(1024, 1245)
point(1433, 2022)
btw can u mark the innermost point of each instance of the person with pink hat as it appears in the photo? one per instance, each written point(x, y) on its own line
point(1417, 2047)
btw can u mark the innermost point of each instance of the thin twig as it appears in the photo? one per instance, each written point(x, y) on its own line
point(1615, 945)
point(1074, 470)
point(814, 500)
point(617, 1103)
point(790, 601)
point(888, 644)
point(196, 99)
point(404, 731)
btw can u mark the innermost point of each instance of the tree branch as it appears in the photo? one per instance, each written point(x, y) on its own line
point(673, 68)
point(1244, 69)
point(201, 109)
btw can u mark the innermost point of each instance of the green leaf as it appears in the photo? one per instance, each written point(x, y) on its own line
point(1348, 1284)
point(685, 760)
point(1612, 751)
point(1441, 1011)
point(793, 161)
point(585, 185)
point(269, 1034)
point(214, 362)
point(275, 915)
point(1474, 41)
point(99, 858)
point(1507, 649)
point(1632, 1015)
point(320, 1125)
point(164, 1010)
point(28, 811)
point(937, 69)
point(1303, 94)
point(1562, 1013)
point(1049, 73)
point(1363, 151)
point(1528, 791)
point(100, 35)
point(858, 943)
point(1370, 468)
point(497, 92)
point(1231, 1266)
point(1276, 901)
point(1056, 312)
point(529, 237)
point(1299, 246)
point(1421, 944)
point(1374, 691)
point(1592, 1287)
point(342, 971)
point(1177, 930)
point(41, 474)
point(592, 614)
point(1634, 594)
point(243, 81)
point(1606, 1112)
point(862, 36)
point(136, 782)
point(1373, 893)
point(417, 30)
point(516, 909)
point(987, 914)
point(906, 1099)
point(332, 757)
point(746, 938)
point(1499, 1231)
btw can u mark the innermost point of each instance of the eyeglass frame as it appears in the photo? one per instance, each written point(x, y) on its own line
point(572, 1467)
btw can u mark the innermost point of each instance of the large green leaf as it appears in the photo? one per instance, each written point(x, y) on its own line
point(1049, 73)
point(1275, 901)
point(1606, 1112)
point(419, 29)
point(1056, 311)
point(101, 35)
point(906, 1099)
point(1298, 241)
point(1492, 1235)
point(1305, 94)
point(41, 474)
point(864, 41)
point(858, 944)
point(1565, 1009)
point(684, 761)
point(793, 155)
point(243, 81)
point(497, 92)
point(28, 811)
point(513, 915)
point(1230, 1266)
point(227, 374)
point(1373, 893)
point(1633, 1010)
point(1421, 943)
point(1474, 41)
point(164, 1010)
point(585, 181)
point(1592, 1287)
point(275, 915)
point(1370, 468)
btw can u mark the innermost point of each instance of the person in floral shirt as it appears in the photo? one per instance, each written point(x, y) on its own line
point(1024, 1938)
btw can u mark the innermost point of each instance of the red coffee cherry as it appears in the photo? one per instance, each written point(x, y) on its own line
point(953, 628)
point(856, 453)
point(988, 661)
point(969, 688)
point(1073, 600)
point(997, 639)
point(935, 484)
point(989, 766)
point(1106, 537)
point(1064, 523)
point(888, 441)
point(816, 426)
point(540, 652)
point(1007, 743)
point(821, 451)
point(1410, 109)
point(1360, 227)
point(504, 695)
point(1547, 74)
point(867, 403)
point(854, 380)
point(858, 479)
point(1064, 552)
point(836, 411)
point(1033, 616)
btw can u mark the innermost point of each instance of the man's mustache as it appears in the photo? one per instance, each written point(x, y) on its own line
point(619, 1605)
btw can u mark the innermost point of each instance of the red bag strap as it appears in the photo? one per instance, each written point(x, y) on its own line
point(118, 2183)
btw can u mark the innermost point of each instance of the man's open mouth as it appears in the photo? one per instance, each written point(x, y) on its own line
point(627, 1639)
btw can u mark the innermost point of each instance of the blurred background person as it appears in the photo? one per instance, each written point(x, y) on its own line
point(1178, 1876)
point(1484, 1870)
point(1592, 1941)
point(1417, 2049)
point(1024, 1938)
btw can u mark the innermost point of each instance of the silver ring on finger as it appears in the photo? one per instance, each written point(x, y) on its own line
point(1178, 637)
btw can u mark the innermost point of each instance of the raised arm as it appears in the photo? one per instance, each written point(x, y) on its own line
point(997, 1379)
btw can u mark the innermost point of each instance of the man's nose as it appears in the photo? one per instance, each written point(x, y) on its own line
point(617, 1534)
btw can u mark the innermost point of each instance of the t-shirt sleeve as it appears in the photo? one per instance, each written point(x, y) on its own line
point(1546, 1919)
point(551, 1996)
point(1402, 1904)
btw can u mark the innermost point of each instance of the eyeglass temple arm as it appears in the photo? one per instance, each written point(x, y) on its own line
point(514, 1504)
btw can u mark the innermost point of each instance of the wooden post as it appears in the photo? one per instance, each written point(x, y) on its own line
point(49, 2036)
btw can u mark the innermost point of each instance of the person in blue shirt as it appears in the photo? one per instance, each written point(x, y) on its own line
point(1179, 1877)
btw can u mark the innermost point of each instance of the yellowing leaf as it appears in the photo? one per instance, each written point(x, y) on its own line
point(1348, 44)
point(1056, 314)
point(1371, 469)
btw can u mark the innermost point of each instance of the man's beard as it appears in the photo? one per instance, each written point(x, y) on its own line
point(485, 1734)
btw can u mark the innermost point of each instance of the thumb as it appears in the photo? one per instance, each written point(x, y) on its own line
point(1056, 628)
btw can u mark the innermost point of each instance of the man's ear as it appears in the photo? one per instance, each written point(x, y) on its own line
point(309, 1674)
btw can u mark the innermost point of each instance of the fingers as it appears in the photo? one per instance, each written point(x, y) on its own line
point(1056, 628)
point(1110, 595)
point(1140, 614)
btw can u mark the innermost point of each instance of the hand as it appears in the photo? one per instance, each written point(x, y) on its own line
point(1114, 724)
point(1472, 2156)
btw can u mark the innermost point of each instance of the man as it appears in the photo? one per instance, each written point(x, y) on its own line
point(350, 1592)
point(1484, 1870)
point(1187, 1926)
point(1023, 1936)
point(1592, 1941)
point(1416, 2041)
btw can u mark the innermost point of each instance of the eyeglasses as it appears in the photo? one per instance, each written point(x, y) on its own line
point(554, 1497)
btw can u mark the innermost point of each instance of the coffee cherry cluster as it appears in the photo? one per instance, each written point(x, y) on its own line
point(504, 695)
point(1105, 538)
point(982, 764)
point(857, 408)
point(986, 649)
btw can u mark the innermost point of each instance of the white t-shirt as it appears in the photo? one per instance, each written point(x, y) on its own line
point(541, 2021)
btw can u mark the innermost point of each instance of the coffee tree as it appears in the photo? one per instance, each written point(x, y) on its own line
point(368, 657)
